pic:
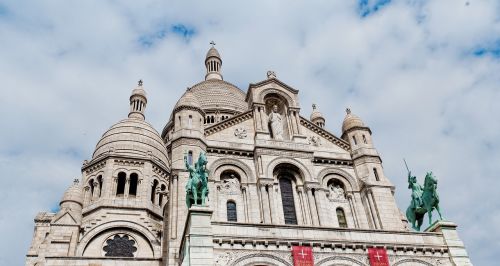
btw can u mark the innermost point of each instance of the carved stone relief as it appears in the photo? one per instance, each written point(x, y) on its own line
point(240, 132)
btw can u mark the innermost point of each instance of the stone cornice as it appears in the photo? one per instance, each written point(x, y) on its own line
point(325, 134)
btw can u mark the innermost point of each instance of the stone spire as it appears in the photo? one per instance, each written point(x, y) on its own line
point(138, 102)
point(213, 63)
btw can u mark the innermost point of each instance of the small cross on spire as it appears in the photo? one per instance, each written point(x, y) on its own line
point(348, 110)
point(140, 82)
point(212, 43)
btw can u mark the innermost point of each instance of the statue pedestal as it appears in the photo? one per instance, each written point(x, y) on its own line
point(197, 241)
point(456, 247)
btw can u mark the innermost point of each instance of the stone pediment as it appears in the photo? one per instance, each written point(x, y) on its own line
point(239, 128)
point(318, 136)
point(258, 91)
point(64, 218)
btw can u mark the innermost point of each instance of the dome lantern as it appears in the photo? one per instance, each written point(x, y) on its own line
point(138, 102)
point(213, 63)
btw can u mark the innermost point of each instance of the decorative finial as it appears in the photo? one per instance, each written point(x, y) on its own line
point(76, 181)
point(314, 106)
point(140, 82)
point(348, 110)
point(271, 74)
point(212, 43)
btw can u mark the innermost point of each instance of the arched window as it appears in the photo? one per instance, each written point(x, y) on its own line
point(134, 179)
point(190, 121)
point(231, 211)
point(91, 184)
point(99, 181)
point(160, 200)
point(376, 174)
point(364, 139)
point(190, 157)
point(153, 190)
point(354, 140)
point(120, 189)
point(288, 201)
point(341, 218)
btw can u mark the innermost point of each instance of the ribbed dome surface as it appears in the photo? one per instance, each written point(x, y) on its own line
point(351, 121)
point(213, 52)
point(139, 90)
point(316, 114)
point(132, 137)
point(219, 94)
point(188, 99)
point(73, 193)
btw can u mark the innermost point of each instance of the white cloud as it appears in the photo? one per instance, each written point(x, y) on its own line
point(407, 69)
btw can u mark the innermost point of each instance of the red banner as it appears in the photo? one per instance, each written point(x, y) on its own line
point(378, 257)
point(302, 256)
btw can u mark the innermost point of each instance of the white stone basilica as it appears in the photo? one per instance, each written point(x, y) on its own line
point(276, 179)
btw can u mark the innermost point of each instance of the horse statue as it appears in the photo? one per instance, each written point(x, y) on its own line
point(197, 185)
point(423, 200)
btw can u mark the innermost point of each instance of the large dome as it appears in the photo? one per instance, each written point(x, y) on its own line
point(216, 94)
point(133, 138)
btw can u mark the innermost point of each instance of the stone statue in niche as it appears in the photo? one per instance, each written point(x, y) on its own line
point(336, 192)
point(276, 123)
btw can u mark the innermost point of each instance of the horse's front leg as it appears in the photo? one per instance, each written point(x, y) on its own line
point(195, 196)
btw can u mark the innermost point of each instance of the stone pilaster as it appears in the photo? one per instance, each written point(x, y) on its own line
point(456, 247)
point(197, 243)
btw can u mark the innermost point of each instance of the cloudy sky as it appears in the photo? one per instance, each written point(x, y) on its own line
point(424, 75)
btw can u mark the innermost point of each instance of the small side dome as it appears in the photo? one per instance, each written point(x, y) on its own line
point(351, 121)
point(317, 117)
point(132, 138)
point(74, 193)
point(188, 100)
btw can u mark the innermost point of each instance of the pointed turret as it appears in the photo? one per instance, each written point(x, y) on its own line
point(138, 102)
point(213, 63)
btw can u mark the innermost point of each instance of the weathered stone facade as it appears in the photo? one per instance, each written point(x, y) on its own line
point(277, 179)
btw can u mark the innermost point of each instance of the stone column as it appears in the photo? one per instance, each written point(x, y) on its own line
point(257, 116)
point(246, 205)
point(127, 187)
point(312, 207)
point(297, 120)
point(86, 198)
point(377, 213)
point(272, 204)
point(319, 197)
point(97, 190)
point(216, 203)
point(353, 210)
point(197, 246)
point(305, 209)
point(299, 211)
point(456, 247)
point(265, 204)
point(372, 210)
point(174, 209)
point(263, 119)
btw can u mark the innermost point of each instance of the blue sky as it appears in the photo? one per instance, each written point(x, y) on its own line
point(424, 75)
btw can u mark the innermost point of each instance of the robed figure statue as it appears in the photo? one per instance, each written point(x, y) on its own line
point(276, 123)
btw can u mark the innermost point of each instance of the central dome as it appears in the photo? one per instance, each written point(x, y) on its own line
point(217, 94)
